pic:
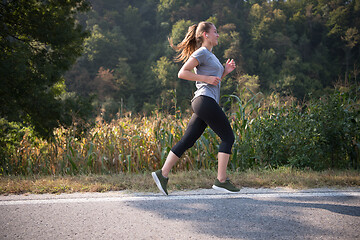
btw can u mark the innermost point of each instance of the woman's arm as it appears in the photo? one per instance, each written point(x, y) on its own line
point(229, 67)
point(187, 74)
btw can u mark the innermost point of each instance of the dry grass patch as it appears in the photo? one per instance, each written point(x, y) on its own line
point(182, 180)
point(298, 179)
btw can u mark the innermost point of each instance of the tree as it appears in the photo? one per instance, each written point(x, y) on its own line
point(165, 72)
point(102, 49)
point(39, 41)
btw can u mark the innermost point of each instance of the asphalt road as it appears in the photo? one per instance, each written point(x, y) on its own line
point(201, 214)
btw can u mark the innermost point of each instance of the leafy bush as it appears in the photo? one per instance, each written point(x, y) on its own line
point(323, 134)
point(11, 138)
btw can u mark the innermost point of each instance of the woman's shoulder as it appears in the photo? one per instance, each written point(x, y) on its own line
point(200, 51)
point(201, 54)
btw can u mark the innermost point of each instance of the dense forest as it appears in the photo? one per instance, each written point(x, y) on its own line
point(295, 47)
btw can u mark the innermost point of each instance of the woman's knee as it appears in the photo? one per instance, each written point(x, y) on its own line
point(228, 137)
point(232, 138)
point(183, 145)
point(227, 143)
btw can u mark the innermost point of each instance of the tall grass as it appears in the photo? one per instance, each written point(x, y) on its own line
point(243, 114)
point(269, 133)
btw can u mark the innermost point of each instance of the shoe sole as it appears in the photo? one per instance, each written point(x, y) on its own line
point(158, 184)
point(224, 190)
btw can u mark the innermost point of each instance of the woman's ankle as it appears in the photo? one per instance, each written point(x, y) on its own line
point(221, 179)
point(165, 173)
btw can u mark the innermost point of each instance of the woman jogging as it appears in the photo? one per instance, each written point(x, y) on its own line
point(196, 51)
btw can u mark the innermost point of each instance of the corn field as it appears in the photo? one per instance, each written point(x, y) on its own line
point(124, 145)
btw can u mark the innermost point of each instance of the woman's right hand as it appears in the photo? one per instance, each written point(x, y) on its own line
point(213, 80)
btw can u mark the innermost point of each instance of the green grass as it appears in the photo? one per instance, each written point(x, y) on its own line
point(182, 180)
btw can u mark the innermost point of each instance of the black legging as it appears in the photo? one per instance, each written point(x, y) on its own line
point(206, 113)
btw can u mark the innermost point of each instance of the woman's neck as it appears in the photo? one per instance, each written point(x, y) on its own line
point(208, 46)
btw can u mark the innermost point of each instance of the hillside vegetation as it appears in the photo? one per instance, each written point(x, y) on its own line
point(103, 96)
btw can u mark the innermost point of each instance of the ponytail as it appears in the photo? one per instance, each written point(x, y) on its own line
point(192, 41)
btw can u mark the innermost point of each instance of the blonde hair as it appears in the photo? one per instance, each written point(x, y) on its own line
point(192, 41)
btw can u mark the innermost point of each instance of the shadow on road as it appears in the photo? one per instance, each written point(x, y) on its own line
point(332, 207)
point(262, 218)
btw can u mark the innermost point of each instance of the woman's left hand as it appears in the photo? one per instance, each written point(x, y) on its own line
point(230, 66)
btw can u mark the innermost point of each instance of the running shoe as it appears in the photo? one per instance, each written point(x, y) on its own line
point(227, 186)
point(161, 181)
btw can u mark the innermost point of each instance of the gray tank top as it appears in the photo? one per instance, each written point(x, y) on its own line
point(209, 65)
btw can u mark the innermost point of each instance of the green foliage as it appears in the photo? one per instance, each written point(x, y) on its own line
point(294, 47)
point(171, 90)
point(39, 41)
point(104, 48)
point(179, 30)
point(244, 113)
point(323, 134)
point(11, 134)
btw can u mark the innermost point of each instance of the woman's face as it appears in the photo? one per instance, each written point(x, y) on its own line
point(212, 36)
